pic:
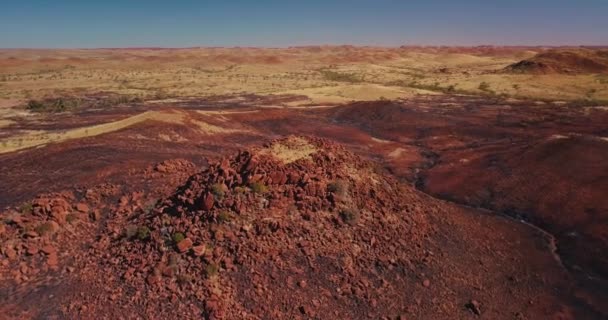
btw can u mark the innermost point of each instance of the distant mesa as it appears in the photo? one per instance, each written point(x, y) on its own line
point(565, 61)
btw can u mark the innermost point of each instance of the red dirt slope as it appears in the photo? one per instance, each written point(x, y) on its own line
point(564, 61)
point(298, 229)
point(558, 183)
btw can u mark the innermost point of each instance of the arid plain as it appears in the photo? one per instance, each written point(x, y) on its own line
point(308, 182)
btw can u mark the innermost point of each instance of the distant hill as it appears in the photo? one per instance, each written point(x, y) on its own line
point(574, 61)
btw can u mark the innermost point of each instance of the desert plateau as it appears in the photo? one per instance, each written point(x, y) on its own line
point(304, 183)
point(316, 160)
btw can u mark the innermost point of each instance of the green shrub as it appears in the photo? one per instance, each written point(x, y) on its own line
point(211, 270)
point(35, 105)
point(143, 233)
point(340, 76)
point(53, 105)
point(137, 232)
point(338, 187)
point(484, 86)
point(178, 237)
point(26, 208)
point(349, 215)
point(218, 190)
point(44, 228)
point(223, 217)
point(71, 217)
point(258, 187)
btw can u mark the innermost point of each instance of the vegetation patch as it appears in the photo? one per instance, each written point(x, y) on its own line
point(350, 215)
point(44, 228)
point(223, 217)
point(340, 76)
point(218, 190)
point(178, 237)
point(64, 104)
point(258, 187)
point(211, 270)
point(339, 188)
point(26, 208)
point(137, 232)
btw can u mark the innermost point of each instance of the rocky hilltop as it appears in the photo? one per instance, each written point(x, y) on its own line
point(567, 61)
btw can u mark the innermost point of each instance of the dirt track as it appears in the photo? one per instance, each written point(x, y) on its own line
point(469, 150)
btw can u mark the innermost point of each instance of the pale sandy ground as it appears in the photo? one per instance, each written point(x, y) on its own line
point(373, 73)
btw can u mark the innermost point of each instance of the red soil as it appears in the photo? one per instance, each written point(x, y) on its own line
point(558, 184)
point(301, 247)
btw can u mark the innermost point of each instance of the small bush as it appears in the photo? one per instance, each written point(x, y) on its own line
point(218, 190)
point(44, 228)
point(178, 237)
point(137, 232)
point(53, 105)
point(258, 187)
point(338, 187)
point(143, 233)
point(223, 217)
point(340, 77)
point(184, 279)
point(484, 86)
point(26, 208)
point(71, 217)
point(35, 105)
point(350, 215)
point(211, 270)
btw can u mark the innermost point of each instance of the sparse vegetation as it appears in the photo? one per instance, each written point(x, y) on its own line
point(63, 104)
point(143, 233)
point(218, 190)
point(240, 190)
point(44, 228)
point(340, 76)
point(197, 74)
point(26, 208)
point(137, 232)
point(258, 187)
point(71, 218)
point(53, 105)
point(178, 237)
point(349, 215)
point(211, 270)
point(223, 217)
point(339, 187)
point(484, 86)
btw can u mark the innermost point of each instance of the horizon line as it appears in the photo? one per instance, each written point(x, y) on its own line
point(318, 45)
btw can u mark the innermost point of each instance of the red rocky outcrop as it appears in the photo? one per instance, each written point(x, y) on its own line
point(252, 222)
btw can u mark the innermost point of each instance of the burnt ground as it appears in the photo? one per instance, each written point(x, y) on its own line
point(496, 163)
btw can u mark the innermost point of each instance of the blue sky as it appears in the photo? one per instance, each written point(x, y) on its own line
point(138, 23)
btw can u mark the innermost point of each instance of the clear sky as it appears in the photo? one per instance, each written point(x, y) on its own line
point(185, 23)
